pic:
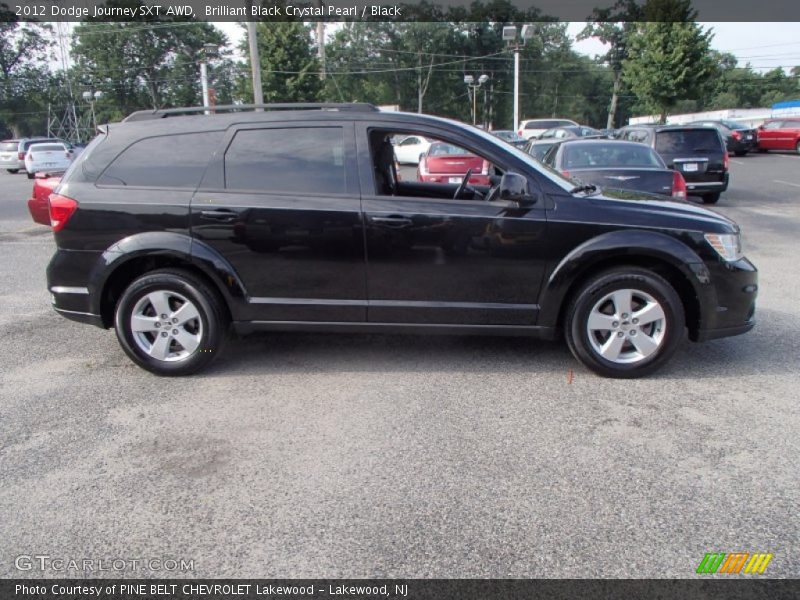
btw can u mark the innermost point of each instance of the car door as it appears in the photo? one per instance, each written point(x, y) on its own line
point(769, 135)
point(281, 204)
point(435, 260)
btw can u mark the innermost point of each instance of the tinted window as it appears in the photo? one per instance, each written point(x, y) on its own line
point(409, 142)
point(8, 146)
point(689, 140)
point(734, 125)
point(585, 156)
point(544, 124)
point(165, 161)
point(296, 160)
point(773, 125)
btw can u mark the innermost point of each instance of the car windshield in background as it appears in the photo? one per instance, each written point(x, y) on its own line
point(734, 125)
point(441, 149)
point(8, 146)
point(687, 140)
point(599, 156)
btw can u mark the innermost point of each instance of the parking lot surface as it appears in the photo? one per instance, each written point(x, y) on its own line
point(304, 455)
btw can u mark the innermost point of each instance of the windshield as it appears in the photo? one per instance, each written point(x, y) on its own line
point(8, 146)
point(47, 148)
point(688, 140)
point(599, 156)
point(442, 149)
point(734, 125)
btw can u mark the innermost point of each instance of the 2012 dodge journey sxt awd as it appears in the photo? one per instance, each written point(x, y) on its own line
point(174, 227)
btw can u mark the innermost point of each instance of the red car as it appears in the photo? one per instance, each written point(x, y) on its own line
point(780, 134)
point(446, 163)
point(38, 204)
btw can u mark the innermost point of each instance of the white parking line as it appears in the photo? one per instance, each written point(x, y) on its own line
point(737, 162)
point(797, 185)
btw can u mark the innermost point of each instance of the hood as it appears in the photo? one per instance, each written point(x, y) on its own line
point(655, 207)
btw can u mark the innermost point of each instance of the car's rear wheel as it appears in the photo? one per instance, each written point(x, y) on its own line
point(711, 198)
point(13, 171)
point(170, 322)
point(625, 323)
point(30, 175)
point(740, 152)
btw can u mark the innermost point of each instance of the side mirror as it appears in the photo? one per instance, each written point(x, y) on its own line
point(514, 188)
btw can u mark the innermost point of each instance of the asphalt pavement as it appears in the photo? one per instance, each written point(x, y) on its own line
point(305, 455)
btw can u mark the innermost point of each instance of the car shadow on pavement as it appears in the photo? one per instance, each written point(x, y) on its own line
point(766, 349)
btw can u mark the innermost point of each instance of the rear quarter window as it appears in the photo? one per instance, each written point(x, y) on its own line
point(688, 140)
point(174, 161)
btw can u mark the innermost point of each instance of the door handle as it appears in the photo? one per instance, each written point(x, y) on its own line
point(222, 214)
point(392, 221)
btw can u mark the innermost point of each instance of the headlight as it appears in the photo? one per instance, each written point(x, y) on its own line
point(727, 245)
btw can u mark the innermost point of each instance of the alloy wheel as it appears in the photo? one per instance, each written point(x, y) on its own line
point(166, 326)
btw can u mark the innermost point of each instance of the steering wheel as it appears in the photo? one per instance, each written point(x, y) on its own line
point(463, 185)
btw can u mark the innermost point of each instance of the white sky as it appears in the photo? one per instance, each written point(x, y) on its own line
point(763, 45)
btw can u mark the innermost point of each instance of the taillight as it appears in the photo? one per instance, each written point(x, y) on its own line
point(678, 186)
point(565, 173)
point(423, 166)
point(726, 161)
point(519, 133)
point(21, 156)
point(736, 135)
point(485, 168)
point(61, 209)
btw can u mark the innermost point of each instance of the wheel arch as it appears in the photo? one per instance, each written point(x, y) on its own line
point(657, 252)
point(138, 254)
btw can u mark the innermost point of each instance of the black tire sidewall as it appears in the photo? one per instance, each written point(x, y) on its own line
point(645, 281)
point(212, 336)
point(711, 198)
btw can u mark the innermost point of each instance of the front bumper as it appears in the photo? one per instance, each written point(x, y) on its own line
point(732, 312)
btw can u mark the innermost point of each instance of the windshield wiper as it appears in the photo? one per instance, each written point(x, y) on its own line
point(587, 187)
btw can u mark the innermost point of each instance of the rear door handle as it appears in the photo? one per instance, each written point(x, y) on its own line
point(222, 214)
point(392, 221)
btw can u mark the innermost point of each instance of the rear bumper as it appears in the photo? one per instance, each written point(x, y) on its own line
point(708, 187)
point(72, 296)
point(12, 164)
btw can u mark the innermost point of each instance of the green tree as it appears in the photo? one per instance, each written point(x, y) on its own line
point(290, 70)
point(668, 62)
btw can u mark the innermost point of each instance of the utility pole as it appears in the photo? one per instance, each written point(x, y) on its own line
point(321, 42)
point(255, 60)
point(204, 83)
point(510, 35)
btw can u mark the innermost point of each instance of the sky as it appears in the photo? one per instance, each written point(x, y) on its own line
point(764, 45)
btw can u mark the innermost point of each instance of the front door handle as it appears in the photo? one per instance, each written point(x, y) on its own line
point(392, 221)
point(222, 214)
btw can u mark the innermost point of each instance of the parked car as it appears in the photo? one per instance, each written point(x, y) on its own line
point(538, 148)
point(779, 134)
point(570, 131)
point(448, 163)
point(739, 138)
point(12, 152)
point(47, 157)
point(38, 203)
point(144, 225)
point(615, 164)
point(698, 153)
point(409, 149)
point(533, 128)
point(511, 137)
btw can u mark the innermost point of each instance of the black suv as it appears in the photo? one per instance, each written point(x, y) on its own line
point(173, 226)
point(697, 152)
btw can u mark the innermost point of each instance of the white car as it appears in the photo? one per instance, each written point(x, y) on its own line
point(533, 128)
point(408, 150)
point(47, 157)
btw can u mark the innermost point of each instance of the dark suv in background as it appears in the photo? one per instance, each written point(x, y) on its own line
point(696, 152)
point(172, 226)
point(739, 138)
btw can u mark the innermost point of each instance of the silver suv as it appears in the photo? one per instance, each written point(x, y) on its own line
point(12, 152)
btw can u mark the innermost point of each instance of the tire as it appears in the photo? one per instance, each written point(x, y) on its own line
point(762, 150)
point(711, 198)
point(13, 171)
point(797, 147)
point(740, 152)
point(203, 334)
point(30, 175)
point(634, 356)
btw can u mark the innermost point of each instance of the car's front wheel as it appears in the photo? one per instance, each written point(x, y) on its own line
point(13, 171)
point(170, 322)
point(625, 323)
point(30, 175)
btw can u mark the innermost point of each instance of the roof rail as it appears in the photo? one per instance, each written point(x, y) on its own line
point(162, 113)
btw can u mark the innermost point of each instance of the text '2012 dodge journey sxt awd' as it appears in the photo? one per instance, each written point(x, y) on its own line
point(173, 227)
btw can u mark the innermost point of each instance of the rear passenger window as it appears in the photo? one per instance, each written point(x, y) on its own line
point(174, 161)
point(296, 160)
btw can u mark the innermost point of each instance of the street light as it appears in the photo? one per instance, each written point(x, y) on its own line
point(91, 98)
point(209, 51)
point(470, 81)
point(510, 36)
